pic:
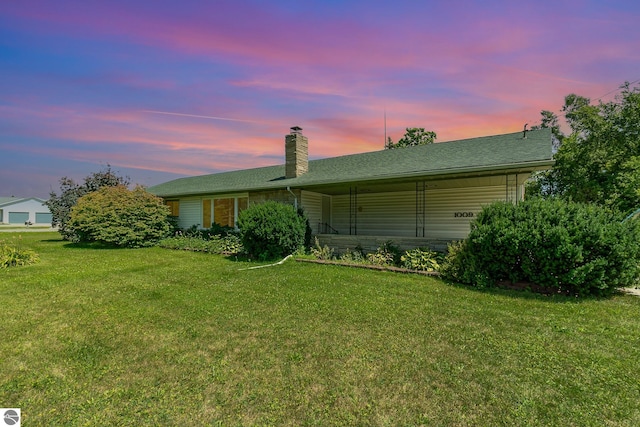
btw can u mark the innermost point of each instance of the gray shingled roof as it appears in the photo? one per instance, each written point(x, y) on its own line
point(4, 200)
point(13, 200)
point(440, 159)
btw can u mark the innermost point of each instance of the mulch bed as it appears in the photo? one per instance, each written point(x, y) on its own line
point(371, 267)
point(504, 284)
point(528, 286)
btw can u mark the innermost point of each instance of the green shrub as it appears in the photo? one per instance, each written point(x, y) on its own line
point(355, 256)
point(231, 244)
point(322, 252)
point(186, 243)
point(193, 231)
point(220, 230)
point(386, 254)
point(217, 240)
point(214, 244)
point(121, 217)
point(452, 265)
point(70, 191)
point(564, 246)
point(173, 224)
point(271, 230)
point(421, 259)
point(12, 255)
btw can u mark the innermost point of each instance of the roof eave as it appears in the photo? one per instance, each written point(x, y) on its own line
point(442, 173)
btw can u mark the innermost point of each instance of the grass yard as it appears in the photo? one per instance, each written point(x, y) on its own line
point(159, 337)
point(20, 227)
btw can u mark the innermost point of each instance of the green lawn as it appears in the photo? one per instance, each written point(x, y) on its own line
point(21, 227)
point(158, 337)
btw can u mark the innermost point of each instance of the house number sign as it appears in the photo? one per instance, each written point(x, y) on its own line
point(463, 214)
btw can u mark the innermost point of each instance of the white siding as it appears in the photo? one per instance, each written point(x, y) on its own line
point(388, 214)
point(312, 205)
point(448, 212)
point(16, 211)
point(190, 213)
point(340, 213)
point(443, 204)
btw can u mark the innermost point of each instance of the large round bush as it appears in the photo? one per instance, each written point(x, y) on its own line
point(564, 246)
point(119, 216)
point(271, 230)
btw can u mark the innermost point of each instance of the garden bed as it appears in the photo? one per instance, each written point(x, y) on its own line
point(370, 266)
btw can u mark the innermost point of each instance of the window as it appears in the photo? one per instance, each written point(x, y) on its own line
point(174, 207)
point(222, 211)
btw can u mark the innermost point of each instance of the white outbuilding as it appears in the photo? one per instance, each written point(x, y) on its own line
point(14, 210)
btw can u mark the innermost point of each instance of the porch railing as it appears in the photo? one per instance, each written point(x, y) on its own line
point(324, 228)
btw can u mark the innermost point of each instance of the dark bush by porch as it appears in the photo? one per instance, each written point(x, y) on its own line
point(564, 246)
point(271, 230)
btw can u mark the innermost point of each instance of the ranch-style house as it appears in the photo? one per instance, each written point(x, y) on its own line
point(422, 196)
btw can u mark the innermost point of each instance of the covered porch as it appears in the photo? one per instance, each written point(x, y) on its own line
point(425, 212)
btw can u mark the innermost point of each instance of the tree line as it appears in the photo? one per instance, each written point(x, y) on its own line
point(598, 160)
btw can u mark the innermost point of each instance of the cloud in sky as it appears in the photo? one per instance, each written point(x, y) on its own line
point(166, 89)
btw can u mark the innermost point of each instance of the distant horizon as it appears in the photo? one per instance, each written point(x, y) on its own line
point(163, 91)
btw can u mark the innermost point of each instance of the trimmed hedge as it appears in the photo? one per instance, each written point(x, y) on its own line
point(271, 230)
point(563, 246)
point(217, 240)
point(121, 217)
point(215, 244)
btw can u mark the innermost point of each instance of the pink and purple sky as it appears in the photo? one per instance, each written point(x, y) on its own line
point(162, 89)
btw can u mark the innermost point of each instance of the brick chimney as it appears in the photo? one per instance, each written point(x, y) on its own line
point(296, 153)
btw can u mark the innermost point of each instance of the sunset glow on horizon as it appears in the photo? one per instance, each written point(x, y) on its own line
point(161, 90)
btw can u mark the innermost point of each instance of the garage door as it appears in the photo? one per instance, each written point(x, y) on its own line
point(43, 218)
point(18, 217)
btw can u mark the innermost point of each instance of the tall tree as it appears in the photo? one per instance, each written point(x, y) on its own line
point(412, 137)
point(599, 161)
point(70, 191)
point(549, 120)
